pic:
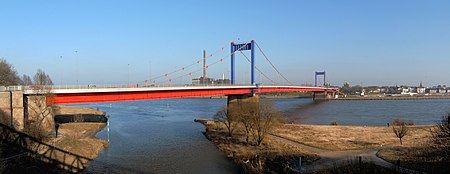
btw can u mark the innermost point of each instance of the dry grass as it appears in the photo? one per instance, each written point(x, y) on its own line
point(418, 158)
point(252, 158)
point(62, 110)
point(327, 137)
point(350, 137)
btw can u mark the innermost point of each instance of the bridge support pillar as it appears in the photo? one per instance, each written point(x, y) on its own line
point(12, 111)
point(320, 96)
point(238, 99)
point(323, 95)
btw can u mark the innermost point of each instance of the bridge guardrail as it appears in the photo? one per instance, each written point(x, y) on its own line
point(21, 88)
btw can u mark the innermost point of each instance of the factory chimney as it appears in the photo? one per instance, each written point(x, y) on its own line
point(204, 64)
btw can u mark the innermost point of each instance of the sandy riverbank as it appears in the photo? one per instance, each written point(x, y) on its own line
point(78, 138)
point(321, 147)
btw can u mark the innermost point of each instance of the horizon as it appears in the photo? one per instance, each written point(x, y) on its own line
point(379, 43)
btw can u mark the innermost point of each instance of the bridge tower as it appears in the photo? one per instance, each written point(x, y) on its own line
point(318, 73)
point(239, 47)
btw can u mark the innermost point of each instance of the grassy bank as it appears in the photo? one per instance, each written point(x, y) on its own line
point(79, 138)
point(271, 156)
point(324, 149)
point(350, 137)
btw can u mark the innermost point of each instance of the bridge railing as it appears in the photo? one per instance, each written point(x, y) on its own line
point(93, 86)
point(104, 86)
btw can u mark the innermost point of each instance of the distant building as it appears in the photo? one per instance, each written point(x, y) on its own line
point(203, 81)
point(433, 91)
point(421, 89)
point(210, 81)
point(223, 81)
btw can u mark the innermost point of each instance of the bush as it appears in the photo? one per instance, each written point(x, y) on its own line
point(334, 123)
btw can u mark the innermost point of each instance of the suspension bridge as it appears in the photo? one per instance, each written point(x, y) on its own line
point(16, 98)
point(206, 87)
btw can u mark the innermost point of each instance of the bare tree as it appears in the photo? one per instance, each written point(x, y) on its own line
point(246, 111)
point(441, 138)
point(226, 116)
point(258, 119)
point(266, 117)
point(400, 128)
point(8, 75)
point(26, 80)
point(42, 79)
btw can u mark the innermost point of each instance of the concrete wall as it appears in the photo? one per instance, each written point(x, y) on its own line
point(5, 108)
point(11, 106)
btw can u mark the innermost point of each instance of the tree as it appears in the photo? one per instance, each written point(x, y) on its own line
point(245, 112)
point(400, 128)
point(226, 116)
point(441, 138)
point(26, 80)
point(42, 79)
point(258, 119)
point(8, 75)
point(262, 122)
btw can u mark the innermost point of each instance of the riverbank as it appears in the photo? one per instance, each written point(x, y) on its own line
point(77, 138)
point(322, 148)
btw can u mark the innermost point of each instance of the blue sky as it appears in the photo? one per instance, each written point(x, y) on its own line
point(110, 42)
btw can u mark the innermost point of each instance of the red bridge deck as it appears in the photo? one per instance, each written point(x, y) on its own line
point(66, 96)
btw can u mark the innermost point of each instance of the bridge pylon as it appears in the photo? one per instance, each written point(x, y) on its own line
point(240, 47)
point(318, 73)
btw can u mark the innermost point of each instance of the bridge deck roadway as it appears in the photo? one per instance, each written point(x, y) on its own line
point(65, 96)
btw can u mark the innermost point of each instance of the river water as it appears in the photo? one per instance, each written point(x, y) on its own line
point(160, 136)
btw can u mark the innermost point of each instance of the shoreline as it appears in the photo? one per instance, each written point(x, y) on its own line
point(78, 138)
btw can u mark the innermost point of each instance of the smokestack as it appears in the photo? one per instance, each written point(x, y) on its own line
point(204, 64)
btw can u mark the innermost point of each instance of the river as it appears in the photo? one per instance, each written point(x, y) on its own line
point(160, 136)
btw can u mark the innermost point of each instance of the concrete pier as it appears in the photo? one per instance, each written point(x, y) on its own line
point(12, 110)
point(323, 95)
point(237, 99)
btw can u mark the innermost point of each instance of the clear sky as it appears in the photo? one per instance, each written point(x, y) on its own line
point(103, 42)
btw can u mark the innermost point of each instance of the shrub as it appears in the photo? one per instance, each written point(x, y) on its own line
point(334, 123)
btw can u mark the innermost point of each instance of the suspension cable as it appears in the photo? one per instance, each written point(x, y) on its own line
point(220, 60)
point(258, 68)
point(273, 66)
point(185, 67)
